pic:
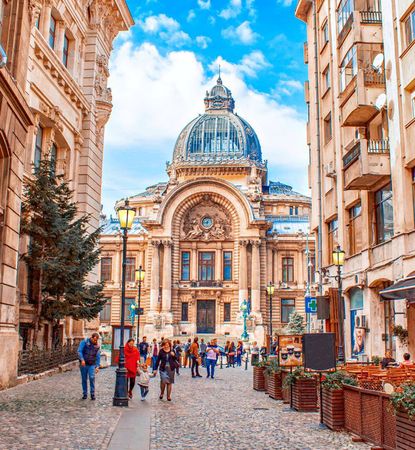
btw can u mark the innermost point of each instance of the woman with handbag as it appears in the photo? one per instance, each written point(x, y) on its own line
point(166, 363)
point(132, 359)
point(231, 354)
point(194, 355)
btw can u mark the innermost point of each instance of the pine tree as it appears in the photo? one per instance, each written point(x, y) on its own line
point(295, 324)
point(61, 252)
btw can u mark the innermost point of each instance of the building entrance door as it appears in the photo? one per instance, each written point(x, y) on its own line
point(206, 316)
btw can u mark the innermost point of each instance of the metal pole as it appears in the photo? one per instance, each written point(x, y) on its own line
point(246, 361)
point(138, 305)
point(120, 395)
point(340, 355)
point(270, 319)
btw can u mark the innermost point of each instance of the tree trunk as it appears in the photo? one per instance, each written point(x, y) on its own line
point(38, 311)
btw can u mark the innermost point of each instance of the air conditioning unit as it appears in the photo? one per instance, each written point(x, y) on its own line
point(330, 170)
point(360, 321)
point(131, 285)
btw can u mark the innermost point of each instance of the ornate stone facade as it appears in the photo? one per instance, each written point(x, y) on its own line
point(56, 80)
point(217, 233)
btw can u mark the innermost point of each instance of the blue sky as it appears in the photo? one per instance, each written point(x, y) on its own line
point(161, 68)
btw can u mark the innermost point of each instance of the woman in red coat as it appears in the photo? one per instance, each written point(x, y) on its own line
point(132, 357)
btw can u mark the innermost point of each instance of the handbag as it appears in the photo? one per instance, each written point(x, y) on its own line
point(199, 360)
point(232, 354)
point(148, 361)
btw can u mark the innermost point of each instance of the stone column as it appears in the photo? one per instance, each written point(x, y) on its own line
point(218, 262)
point(167, 263)
point(155, 277)
point(275, 267)
point(193, 272)
point(300, 275)
point(243, 272)
point(256, 277)
point(45, 19)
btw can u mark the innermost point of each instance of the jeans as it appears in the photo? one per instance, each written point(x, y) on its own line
point(144, 391)
point(239, 359)
point(195, 365)
point(153, 362)
point(143, 358)
point(210, 366)
point(88, 372)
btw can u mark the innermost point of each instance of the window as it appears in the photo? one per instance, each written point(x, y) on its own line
point(325, 33)
point(38, 147)
point(185, 266)
point(326, 79)
point(410, 28)
point(105, 314)
point(1, 15)
point(287, 270)
point(332, 237)
point(65, 53)
point(227, 266)
point(355, 229)
point(344, 13)
point(327, 128)
point(293, 210)
point(348, 68)
point(130, 270)
point(185, 312)
point(52, 32)
point(413, 191)
point(384, 214)
point(287, 308)
point(413, 105)
point(206, 266)
point(106, 269)
point(226, 312)
point(37, 24)
point(53, 155)
point(128, 302)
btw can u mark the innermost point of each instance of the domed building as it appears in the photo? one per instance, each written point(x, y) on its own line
point(213, 236)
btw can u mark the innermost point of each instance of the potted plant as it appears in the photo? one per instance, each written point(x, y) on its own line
point(401, 333)
point(333, 398)
point(258, 376)
point(266, 375)
point(274, 385)
point(304, 390)
point(403, 402)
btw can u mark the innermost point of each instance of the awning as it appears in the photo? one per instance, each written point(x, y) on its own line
point(401, 290)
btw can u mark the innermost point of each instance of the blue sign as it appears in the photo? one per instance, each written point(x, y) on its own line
point(310, 305)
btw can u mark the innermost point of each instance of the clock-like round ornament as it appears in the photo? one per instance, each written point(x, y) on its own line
point(207, 222)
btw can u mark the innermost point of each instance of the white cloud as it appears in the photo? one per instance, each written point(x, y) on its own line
point(191, 15)
point(250, 7)
point(233, 10)
point(285, 2)
point(253, 63)
point(167, 28)
point(242, 34)
point(204, 4)
point(203, 41)
point(156, 95)
point(287, 87)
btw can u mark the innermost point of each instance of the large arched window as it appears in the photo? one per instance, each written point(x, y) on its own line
point(214, 135)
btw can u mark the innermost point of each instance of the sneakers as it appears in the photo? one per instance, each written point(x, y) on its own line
point(92, 397)
point(84, 397)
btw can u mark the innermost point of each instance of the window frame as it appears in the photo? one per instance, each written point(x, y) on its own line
point(107, 310)
point(53, 158)
point(325, 33)
point(102, 278)
point(328, 125)
point(227, 311)
point(183, 266)
point(287, 309)
point(184, 312)
point(332, 228)
point(37, 157)
point(381, 235)
point(52, 32)
point(326, 78)
point(355, 213)
point(130, 269)
point(227, 264)
point(409, 27)
point(349, 62)
point(287, 269)
point(65, 50)
point(204, 265)
point(344, 11)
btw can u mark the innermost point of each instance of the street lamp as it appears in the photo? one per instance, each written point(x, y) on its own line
point(125, 216)
point(244, 310)
point(140, 273)
point(338, 260)
point(270, 292)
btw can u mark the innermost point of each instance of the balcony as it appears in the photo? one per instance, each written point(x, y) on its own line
point(371, 17)
point(362, 25)
point(206, 284)
point(366, 164)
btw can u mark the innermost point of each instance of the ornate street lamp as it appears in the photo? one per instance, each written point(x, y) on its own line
point(126, 217)
point(244, 310)
point(270, 292)
point(139, 278)
point(338, 260)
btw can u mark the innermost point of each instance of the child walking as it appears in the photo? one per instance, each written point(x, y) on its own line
point(144, 379)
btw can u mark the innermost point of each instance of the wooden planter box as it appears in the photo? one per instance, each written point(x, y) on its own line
point(275, 386)
point(285, 390)
point(333, 409)
point(266, 378)
point(405, 431)
point(304, 395)
point(258, 378)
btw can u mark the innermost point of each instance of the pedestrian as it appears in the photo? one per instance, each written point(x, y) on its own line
point(406, 360)
point(202, 349)
point(132, 359)
point(166, 363)
point(154, 353)
point(194, 356)
point(239, 352)
point(274, 346)
point(254, 353)
point(143, 349)
point(187, 358)
point(144, 379)
point(212, 355)
point(227, 345)
point(387, 360)
point(263, 353)
point(177, 348)
point(232, 351)
point(89, 355)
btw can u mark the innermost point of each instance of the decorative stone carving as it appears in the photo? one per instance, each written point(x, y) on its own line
point(207, 221)
point(35, 7)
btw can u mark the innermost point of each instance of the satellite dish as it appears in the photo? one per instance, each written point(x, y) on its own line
point(380, 102)
point(378, 62)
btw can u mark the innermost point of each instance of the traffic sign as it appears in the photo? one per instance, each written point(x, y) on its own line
point(310, 305)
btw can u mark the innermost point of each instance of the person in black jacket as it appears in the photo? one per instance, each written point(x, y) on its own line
point(166, 364)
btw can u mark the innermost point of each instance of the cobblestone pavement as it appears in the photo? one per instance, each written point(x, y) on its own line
point(49, 414)
point(221, 414)
point(226, 413)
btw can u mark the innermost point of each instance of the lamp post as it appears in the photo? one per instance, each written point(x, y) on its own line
point(125, 216)
point(244, 309)
point(270, 292)
point(140, 273)
point(338, 260)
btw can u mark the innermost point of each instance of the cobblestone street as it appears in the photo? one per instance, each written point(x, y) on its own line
point(225, 413)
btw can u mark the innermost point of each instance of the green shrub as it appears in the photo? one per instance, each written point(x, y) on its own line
point(404, 399)
point(335, 380)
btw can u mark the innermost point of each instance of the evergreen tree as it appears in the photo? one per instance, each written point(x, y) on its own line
point(61, 252)
point(295, 324)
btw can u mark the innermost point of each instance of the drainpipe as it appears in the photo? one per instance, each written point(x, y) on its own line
point(3, 57)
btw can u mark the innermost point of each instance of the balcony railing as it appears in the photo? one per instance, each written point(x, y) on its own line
point(206, 283)
point(373, 77)
point(351, 155)
point(378, 146)
point(370, 17)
